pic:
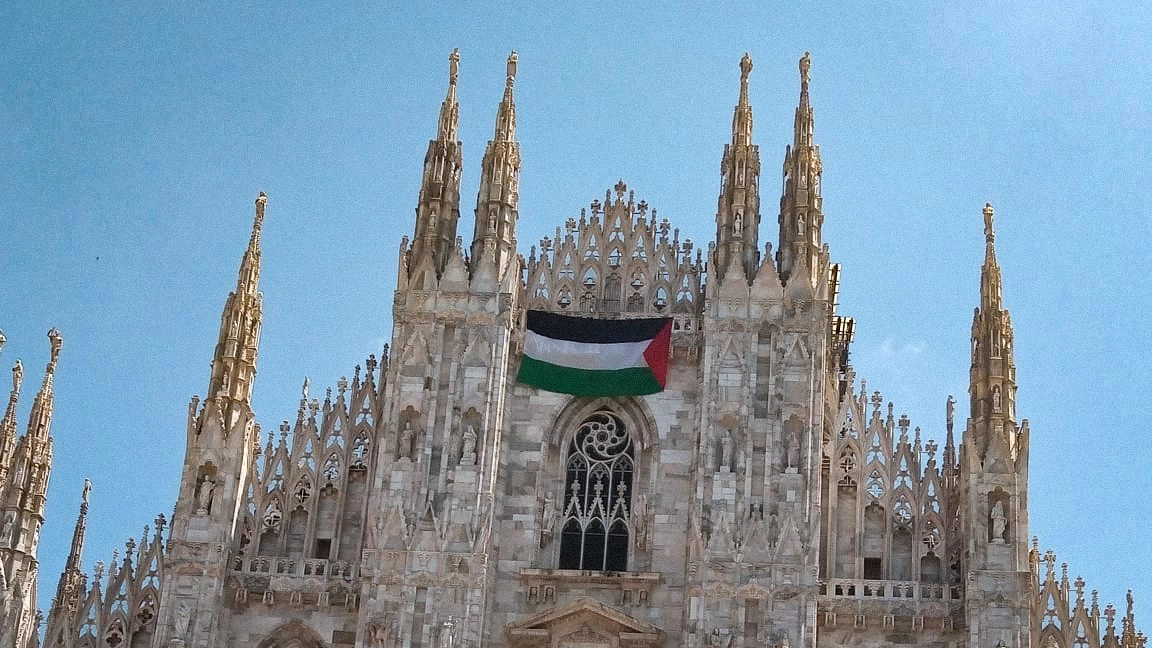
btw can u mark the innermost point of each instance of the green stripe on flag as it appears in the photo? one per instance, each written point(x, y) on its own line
point(634, 381)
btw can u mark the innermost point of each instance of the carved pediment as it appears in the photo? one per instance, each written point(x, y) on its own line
point(583, 623)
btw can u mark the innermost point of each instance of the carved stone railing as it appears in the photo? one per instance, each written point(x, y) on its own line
point(303, 567)
point(885, 590)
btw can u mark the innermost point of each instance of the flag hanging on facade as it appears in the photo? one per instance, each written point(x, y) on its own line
point(595, 357)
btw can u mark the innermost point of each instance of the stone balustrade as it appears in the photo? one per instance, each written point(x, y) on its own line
point(885, 590)
point(294, 567)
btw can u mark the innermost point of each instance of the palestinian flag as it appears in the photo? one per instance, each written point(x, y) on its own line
point(595, 357)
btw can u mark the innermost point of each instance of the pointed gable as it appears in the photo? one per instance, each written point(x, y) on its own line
point(586, 621)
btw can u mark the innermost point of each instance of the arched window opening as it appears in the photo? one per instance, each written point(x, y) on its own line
point(598, 480)
point(612, 292)
point(930, 568)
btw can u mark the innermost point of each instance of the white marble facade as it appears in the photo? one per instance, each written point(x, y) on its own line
point(769, 498)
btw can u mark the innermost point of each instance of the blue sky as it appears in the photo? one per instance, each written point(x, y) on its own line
point(135, 137)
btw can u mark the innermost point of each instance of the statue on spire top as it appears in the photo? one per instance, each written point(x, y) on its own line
point(57, 341)
point(805, 65)
point(454, 66)
point(745, 66)
point(989, 232)
point(512, 59)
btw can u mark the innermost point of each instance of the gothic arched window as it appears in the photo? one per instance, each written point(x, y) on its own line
point(598, 485)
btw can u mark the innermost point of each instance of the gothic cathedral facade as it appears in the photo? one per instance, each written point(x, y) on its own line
point(764, 498)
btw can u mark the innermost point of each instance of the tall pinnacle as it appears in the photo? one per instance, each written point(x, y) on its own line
point(9, 421)
point(497, 201)
point(990, 280)
point(234, 363)
point(40, 419)
point(742, 117)
point(805, 123)
point(992, 385)
point(8, 426)
point(738, 209)
point(450, 110)
point(77, 551)
point(801, 206)
point(506, 115)
point(248, 282)
point(438, 209)
point(71, 584)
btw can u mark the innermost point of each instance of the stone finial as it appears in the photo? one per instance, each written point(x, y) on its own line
point(745, 66)
point(989, 217)
point(85, 495)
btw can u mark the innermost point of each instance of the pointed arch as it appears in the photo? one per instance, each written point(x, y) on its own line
point(634, 411)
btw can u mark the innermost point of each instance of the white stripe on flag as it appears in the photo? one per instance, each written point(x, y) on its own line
point(585, 355)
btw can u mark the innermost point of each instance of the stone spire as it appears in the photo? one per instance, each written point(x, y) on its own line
point(22, 511)
point(234, 363)
point(40, 420)
point(992, 385)
point(8, 426)
point(497, 202)
point(950, 440)
point(70, 588)
point(990, 280)
point(994, 472)
point(801, 215)
point(438, 211)
point(76, 553)
point(738, 211)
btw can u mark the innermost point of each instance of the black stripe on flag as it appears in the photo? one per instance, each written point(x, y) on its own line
point(596, 331)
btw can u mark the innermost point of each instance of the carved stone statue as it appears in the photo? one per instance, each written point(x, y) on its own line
point(726, 452)
point(204, 495)
point(9, 522)
point(996, 400)
point(448, 633)
point(640, 521)
point(468, 452)
point(381, 635)
point(548, 518)
point(180, 623)
point(793, 450)
point(407, 440)
point(999, 523)
point(17, 376)
point(716, 639)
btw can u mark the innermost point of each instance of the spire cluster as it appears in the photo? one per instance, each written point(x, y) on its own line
point(25, 467)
